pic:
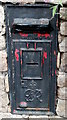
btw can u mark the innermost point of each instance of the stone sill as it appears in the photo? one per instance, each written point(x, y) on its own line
point(30, 117)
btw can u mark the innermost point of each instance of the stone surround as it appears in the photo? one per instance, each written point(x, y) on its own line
point(61, 109)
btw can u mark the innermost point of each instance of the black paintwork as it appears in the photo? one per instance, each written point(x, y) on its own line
point(32, 51)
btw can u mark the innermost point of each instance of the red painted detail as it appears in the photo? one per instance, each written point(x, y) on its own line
point(54, 52)
point(42, 35)
point(47, 35)
point(23, 103)
point(39, 35)
point(45, 55)
point(16, 55)
point(23, 35)
point(55, 72)
point(27, 45)
point(35, 46)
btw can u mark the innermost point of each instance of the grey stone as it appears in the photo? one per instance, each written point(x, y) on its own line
point(63, 28)
point(63, 45)
point(62, 108)
point(2, 42)
point(1, 17)
point(58, 60)
point(63, 13)
point(9, 115)
point(2, 82)
point(3, 59)
point(62, 79)
point(34, 117)
point(62, 93)
point(18, 1)
point(63, 66)
point(55, 118)
point(6, 83)
point(59, 38)
point(3, 101)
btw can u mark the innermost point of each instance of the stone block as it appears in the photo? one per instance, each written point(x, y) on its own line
point(62, 93)
point(1, 17)
point(63, 45)
point(2, 82)
point(63, 66)
point(63, 28)
point(28, 1)
point(63, 13)
point(59, 38)
point(62, 80)
point(55, 118)
point(3, 60)
point(2, 42)
point(6, 83)
point(58, 60)
point(4, 102)
point(18, 1)
point(34, 117)
point(62, 108)
point(9, 115)
point(5, 99)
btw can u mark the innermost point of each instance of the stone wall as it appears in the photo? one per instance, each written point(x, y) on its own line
point(61, 60)
point(62, 74)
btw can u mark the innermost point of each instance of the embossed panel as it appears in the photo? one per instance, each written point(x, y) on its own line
point(33, 66)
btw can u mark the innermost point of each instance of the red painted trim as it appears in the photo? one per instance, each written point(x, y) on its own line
point(16, 55)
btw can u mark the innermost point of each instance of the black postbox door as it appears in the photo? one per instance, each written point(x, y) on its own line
point(31, 60)
point(33, 73)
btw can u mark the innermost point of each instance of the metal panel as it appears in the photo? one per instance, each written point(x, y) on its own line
point(32, 50)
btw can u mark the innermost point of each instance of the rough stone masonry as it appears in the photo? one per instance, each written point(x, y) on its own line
point(61, 109)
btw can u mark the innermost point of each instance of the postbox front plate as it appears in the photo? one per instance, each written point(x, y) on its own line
point(32, 50)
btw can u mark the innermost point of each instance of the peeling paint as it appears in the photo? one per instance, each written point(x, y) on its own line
point(42, 35)
point(16, 55)
point(55, 72)
point(23, 35)
point(47, 35)
point(27, 45)
point(45, 55)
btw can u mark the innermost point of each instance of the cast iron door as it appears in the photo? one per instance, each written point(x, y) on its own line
point(32, 50)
